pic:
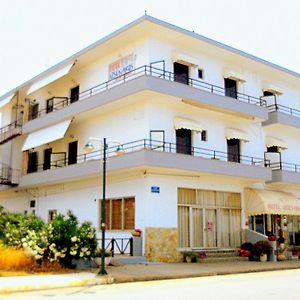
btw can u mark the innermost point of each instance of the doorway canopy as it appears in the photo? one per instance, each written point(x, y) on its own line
point(258, 202)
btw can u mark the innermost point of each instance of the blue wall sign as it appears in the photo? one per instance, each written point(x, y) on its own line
point(155, 189)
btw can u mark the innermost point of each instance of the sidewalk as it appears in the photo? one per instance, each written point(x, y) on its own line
point(137, 272)
point(131, 273)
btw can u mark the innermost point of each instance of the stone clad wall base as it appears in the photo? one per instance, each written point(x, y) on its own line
point(161, 244)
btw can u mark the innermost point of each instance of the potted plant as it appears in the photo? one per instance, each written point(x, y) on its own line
point(98, 255)
point(201, 256)
point(247, 250)
point(262, 248)
point(137, 232)
point(190, 256)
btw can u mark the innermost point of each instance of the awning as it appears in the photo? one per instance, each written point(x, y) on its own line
point(231, 74)
point(50, 78)
point(272, 88)
point(234, 133)
point(181, 57)
point(46, 135)
point(180, 123)
point(259, 202)
point(6, 100)
point(273, 141)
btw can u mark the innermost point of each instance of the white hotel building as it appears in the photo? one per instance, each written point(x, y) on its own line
point(211, 138)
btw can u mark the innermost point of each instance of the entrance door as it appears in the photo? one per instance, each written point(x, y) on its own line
point(33, 111)
point(210, 228)
point(230, 88)
point(32, 162)
point(233, 149)
point(184, 141)
point(181, 73)
point(74, 94)
point(72, 153)
point(49, 105)
point(47, 158)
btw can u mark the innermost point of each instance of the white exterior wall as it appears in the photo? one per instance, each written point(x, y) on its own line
point(161, 208)
point(151, 209)
point(161, 114)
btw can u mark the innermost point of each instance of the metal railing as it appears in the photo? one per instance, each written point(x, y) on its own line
point(285, 166)
point(8, 175)
point(159, 73)
point(284, 109)
point(119, 245)
point(57, 104)
point(10, 131)
point(164, 147)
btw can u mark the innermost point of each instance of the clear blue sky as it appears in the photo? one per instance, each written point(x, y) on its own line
point(36, 34)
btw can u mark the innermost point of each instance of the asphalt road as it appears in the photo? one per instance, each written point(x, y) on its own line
point(265, 285)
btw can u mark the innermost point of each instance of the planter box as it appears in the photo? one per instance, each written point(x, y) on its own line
point(137, 246)
point(296, 253)
point(82, 264)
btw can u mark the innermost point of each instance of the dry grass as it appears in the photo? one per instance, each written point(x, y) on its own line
point(15, 259)
point(15, 262)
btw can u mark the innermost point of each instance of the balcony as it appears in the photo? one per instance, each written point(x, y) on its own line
point(280, 114)
point(195, 92)
point(9, 176)
point(285, 173)
point(149, 154)
point(10, 131)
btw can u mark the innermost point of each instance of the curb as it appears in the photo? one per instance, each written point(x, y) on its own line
point(109, 279)
point(78, 283)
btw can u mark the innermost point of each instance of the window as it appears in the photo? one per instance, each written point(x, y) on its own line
point(181, 73)
point(33, 111)
point(184, 141)
point(230, 88)
point(200, 73)
point(120, 214)
point(47, 159)
point(49, 105)
point(32, 204)
point(51, 214)
point(204, 135)
point(32, 162)
point(233, 150)
point(74, 94)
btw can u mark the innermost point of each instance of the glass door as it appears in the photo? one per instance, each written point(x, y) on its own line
point(210, 228)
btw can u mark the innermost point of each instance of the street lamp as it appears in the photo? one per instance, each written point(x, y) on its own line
point(89, 147)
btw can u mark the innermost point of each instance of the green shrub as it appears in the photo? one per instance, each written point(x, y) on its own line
point(61, 240)
point(68, 240)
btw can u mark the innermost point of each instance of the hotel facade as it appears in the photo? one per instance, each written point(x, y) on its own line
point(210, 136)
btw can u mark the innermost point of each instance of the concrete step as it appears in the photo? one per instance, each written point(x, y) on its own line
point(126, 259)
point(218, 252)
point(224, 259)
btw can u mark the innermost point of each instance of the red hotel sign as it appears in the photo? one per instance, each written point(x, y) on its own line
point(121, 66)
